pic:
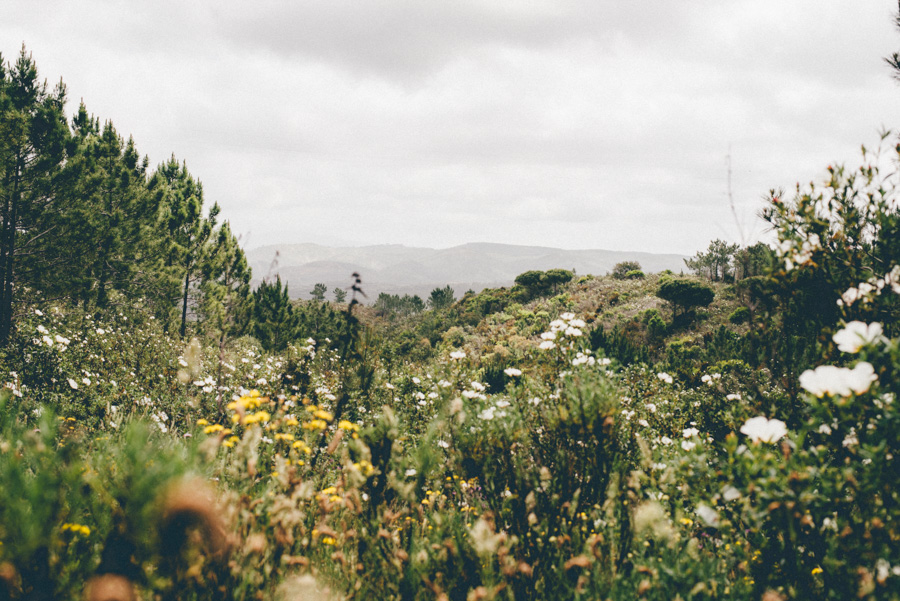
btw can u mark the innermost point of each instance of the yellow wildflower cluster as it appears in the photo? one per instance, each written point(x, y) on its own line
point(259, 417)
point(316, 424)
point(77, 529)
point(248, 402)
point(302, 447)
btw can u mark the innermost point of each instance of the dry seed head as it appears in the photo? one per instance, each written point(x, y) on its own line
point(109, 587)
point(187, 504)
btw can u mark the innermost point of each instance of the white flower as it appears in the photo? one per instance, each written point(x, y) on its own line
point(548, 336)
point(664, 377)
point(824, 429)
point(38, 312)
point(651, 407)
point(644, 423)
point(733, 397)
point(416, 381)
point(487, 414)
point(574, 332)
point(605, 361)
point(690, 432)
point(47, 340)
point(856, 335)
point(503, 403)
point(456, 355)
point(73, 384)
point(512, 372)
point(87, 381)
point(42, 330)
point(577, 323)
point(477, 386)
point(707, 379)
point(547, 345)
point(709, 515)
point(443, 444)
point(763, 429)
point(831, 380)
point(687, 445)
point(388, 385)
point(567, 316)
point(730, 493)
point(665, 440)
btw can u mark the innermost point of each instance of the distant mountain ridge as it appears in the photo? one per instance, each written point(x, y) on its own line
point(398, 269)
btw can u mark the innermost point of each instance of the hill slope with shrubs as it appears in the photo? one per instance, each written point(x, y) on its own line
point(167, 433)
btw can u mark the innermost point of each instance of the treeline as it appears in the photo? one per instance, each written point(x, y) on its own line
point(86, 221)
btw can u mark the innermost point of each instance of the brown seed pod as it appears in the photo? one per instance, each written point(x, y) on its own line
point(109, 587)
point(191, 504)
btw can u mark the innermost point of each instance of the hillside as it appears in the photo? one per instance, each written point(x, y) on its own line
point(397, 269)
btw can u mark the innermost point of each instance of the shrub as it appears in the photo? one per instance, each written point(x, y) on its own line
point(621, 270)
point(739, 315)
point(685, 294)
point(635, 274)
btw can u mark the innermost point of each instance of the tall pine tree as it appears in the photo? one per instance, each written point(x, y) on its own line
point(33, 135)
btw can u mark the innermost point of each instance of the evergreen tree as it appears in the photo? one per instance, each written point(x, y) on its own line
point(340, 295)
point(318, 292)
point(226, 300)
point(109, 215)
point(441, 298)
point(33, 135)
point(274, 322)
point(180, 197)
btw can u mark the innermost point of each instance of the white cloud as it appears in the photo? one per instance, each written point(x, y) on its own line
point(569, 123)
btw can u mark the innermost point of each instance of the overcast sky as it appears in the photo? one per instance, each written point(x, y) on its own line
point(575, 124)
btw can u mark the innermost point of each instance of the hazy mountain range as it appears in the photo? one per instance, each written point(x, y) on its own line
point(397, 269)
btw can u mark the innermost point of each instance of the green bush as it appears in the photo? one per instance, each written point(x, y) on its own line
point(739, 315)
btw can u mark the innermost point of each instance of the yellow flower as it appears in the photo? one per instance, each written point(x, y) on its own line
point(302, 446)
point(347, 425)
point(817, 570)
point(213, 428)
point(202, 422)
point(322, 414)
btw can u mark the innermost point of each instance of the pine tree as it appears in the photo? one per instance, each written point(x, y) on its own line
point(180, 198)
point(274, 321)
point(33, 134)
point(109, 214)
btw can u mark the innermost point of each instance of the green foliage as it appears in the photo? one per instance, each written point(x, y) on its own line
point(685, 295)
point(318, 292)
point(395, 305)
point(716, 263)
point(274, 322)
point(739, 315)
point(441, 298)
point(620, 270)
point(636, 274)
point(340, 295)
point(542, 283)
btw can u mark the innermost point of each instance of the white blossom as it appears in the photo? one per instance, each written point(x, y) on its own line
point(856, 335)
point(763, 429)
point(831, 380)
